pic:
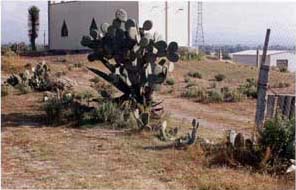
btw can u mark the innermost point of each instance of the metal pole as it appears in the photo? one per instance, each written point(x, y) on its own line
point(262, 86)
point(44, 39)
point(48, 17)
point(189, 21)
point(166, 22)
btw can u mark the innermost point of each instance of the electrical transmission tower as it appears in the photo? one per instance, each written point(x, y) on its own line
point(199, 37)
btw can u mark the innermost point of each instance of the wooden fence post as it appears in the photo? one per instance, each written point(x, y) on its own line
point(262, 86)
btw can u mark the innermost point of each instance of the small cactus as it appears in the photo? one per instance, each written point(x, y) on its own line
point(38, 79)
point(167, 135)
point(190, 138)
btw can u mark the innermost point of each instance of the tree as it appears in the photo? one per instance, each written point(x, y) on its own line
point(33, 24)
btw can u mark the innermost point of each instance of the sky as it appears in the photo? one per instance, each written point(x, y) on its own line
point(223, 22)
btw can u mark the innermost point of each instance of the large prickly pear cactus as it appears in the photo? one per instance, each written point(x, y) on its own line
point(142, 60)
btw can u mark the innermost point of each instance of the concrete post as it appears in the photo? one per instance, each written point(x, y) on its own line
point(262, 86)
point(257, 58)
point(220, 55)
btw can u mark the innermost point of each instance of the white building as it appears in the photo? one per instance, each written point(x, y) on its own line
point(281, 59)
point(69, 21)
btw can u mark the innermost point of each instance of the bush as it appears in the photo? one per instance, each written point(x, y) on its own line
point(187, 54)
point(195, 75)
point(283, 69)
point(107, 112)
point(95, 80)
point(8, 52)
point(187, 79)
point(23, 88)
point(281, 85)
point(215, 96)
point(199, 94)
point(232, 95)
point(191, 84)
point(78, 65)
point(213, 85)
point(4, 90)
point(279, 134)
point(54, 109)
point(220, 77)
point(85, 95)
point(170, 81)
point(60, 73)
point(249, 88)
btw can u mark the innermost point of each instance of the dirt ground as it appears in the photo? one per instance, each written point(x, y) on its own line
point(35, 155)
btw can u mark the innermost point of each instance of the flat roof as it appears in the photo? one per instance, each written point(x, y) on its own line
point(254, 52)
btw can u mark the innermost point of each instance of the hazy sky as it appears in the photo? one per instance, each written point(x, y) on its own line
point(223, 22)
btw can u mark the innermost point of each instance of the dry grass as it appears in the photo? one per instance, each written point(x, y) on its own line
point(236, 74)
point(98, 158)
point(13, 64)
point(38, 156)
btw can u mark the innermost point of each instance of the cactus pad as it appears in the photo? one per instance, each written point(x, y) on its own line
point(121, 15)
point(147, 25)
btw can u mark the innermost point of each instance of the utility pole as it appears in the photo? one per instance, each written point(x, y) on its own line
point(189, 23)
point(166, 21)
point(44, 39)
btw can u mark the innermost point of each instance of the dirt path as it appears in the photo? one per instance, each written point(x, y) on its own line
point(238, 116)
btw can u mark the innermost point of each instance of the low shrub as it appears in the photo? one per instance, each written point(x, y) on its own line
point(283, 69)
point(107, 112)
point(220, 77)
point(23, 88)
point(281, 85)
point(187, 54)
point(199, 94)
point(78, 65)
point(195, 75)
point(232, 95)
point(249, 88)
point(95, 80)
point(8, 52)
point(70, 68)
point(54, 109)
point(4, 90)
point(60, 73)
point(279, 135)
point(170, 81)
point(187, 79)
point(85, 96)
point(213, 85)
point(215, 96)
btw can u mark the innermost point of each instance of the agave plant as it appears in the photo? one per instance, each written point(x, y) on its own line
point(141, 60)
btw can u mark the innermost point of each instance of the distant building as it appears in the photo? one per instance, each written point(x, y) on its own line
point(281, 59)
point(69, 21)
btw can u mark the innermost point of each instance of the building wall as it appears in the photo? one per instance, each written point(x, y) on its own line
point(177, 22)
point(78, 17)
point(271, 59)
point(154, 11)
point(249, 59)
point(290, 56)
